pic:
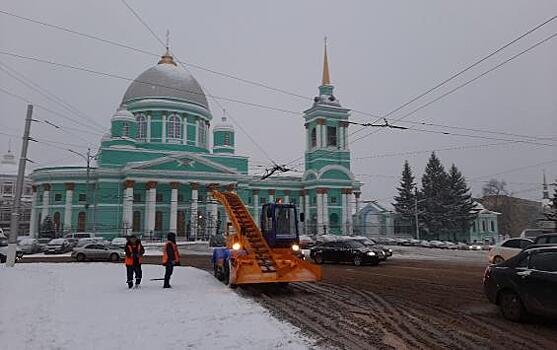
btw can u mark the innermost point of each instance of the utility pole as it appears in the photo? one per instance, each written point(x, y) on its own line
point(14, 223)
point(416, 213)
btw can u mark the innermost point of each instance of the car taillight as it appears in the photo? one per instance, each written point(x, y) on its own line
point(487, 274)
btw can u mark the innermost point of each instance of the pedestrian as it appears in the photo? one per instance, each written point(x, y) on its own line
point(170, 258)
point(134, 257)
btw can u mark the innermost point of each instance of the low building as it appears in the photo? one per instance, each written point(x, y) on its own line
point(8, 179)
point(485, 228)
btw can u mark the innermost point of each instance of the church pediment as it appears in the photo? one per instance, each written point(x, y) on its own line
point(181, 162)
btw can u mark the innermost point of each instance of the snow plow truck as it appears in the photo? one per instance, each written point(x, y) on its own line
point(268, 255)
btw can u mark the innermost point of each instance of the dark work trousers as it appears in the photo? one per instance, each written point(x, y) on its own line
point(168, 273)
point(135, 268)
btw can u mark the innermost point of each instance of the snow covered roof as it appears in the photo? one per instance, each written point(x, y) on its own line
point(482, 210)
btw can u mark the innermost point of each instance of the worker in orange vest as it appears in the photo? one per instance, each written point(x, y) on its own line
point(134, 257)
point(170, 257)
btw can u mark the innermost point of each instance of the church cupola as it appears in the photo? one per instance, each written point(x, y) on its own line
point(123, 125)
point(223, 137)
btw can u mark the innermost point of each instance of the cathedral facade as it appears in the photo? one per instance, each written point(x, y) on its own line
point(156, 168)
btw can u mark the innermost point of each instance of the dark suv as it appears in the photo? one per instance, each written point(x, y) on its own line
point(548, 238)
point(526, 283)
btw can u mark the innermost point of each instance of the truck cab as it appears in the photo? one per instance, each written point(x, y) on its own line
point(279, 225)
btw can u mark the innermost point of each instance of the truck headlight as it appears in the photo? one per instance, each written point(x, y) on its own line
point(371, 253)
point(295, 247)
point(236, 246)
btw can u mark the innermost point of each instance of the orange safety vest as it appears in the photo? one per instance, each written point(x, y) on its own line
point(165, 254)
point(128, 260)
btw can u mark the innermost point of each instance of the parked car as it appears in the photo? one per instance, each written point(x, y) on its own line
point(58, 246)
point(475, 246)
point(532, 233)
point(96, 251)
point(507, 249)
point(346, 251)
point(547, 238)
point(414, 242)
point(4, 250)
point(425, 244)
point(84, 241)
point(119, 242)
point(462, 246)
point(437, 244)
point(29, 246)
point(450, 245)
point(368, 242)
point(526, 283)
point(79, 235)
point(43, 242)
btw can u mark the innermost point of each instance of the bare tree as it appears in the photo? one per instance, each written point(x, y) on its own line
point(495, 187)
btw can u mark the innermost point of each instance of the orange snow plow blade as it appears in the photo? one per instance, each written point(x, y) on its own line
point(253, 260)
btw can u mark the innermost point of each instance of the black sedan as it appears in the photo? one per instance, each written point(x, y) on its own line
point(371, 243)
point(526, 283)
point(351, 251)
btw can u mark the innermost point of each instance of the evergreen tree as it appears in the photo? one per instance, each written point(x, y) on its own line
point(432, 206)
point(405, 201)
point(460, 206)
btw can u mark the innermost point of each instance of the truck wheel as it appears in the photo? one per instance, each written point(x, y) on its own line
point(511, 306)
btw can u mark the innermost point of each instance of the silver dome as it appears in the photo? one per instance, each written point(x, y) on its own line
point(166, 81)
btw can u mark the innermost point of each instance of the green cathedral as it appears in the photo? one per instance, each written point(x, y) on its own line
point(157, 167)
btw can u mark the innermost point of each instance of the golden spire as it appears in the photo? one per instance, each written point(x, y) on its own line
point(326, 78)
point(167, 57)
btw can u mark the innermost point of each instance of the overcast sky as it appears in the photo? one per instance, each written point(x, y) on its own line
point(381, 54)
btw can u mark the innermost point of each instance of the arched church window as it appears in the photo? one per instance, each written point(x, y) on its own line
point(174, 126)
point(125, 129)
point(141, 127)
point(313, 137)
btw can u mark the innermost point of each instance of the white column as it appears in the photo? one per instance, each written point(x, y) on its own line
point(286, 198)
point(326, 212)
point(194, 198)
point(301, 209)
point(344, 218)
point(163, 131)
point(150, 203)
point(349, 213)
point(185, 130)
point(197, 133)
point(342, 132)
point(46, 201)
point(149, 128)
point(33, 231)
point(68, 207)
point(127, 210)
point(306, 213)
point(357, 209)
point(319, 204)
point(318, 135)
point(173, 225)
point(214, 211)
point(256, 207)
point(324, 138)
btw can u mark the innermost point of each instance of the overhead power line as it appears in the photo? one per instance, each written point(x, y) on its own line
point(468, 82)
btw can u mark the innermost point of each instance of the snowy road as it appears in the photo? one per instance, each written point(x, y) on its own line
point(88, 306)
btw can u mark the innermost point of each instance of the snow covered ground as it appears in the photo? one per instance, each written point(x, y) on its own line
point(88, 306)
point(419, 253)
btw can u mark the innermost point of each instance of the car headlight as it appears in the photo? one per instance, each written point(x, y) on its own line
point(470, 247)
point(390, 250)
point(295, 247)
point(236, 246)
point(371, 253)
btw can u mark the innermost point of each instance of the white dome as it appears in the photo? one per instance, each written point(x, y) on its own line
point(166, 80)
